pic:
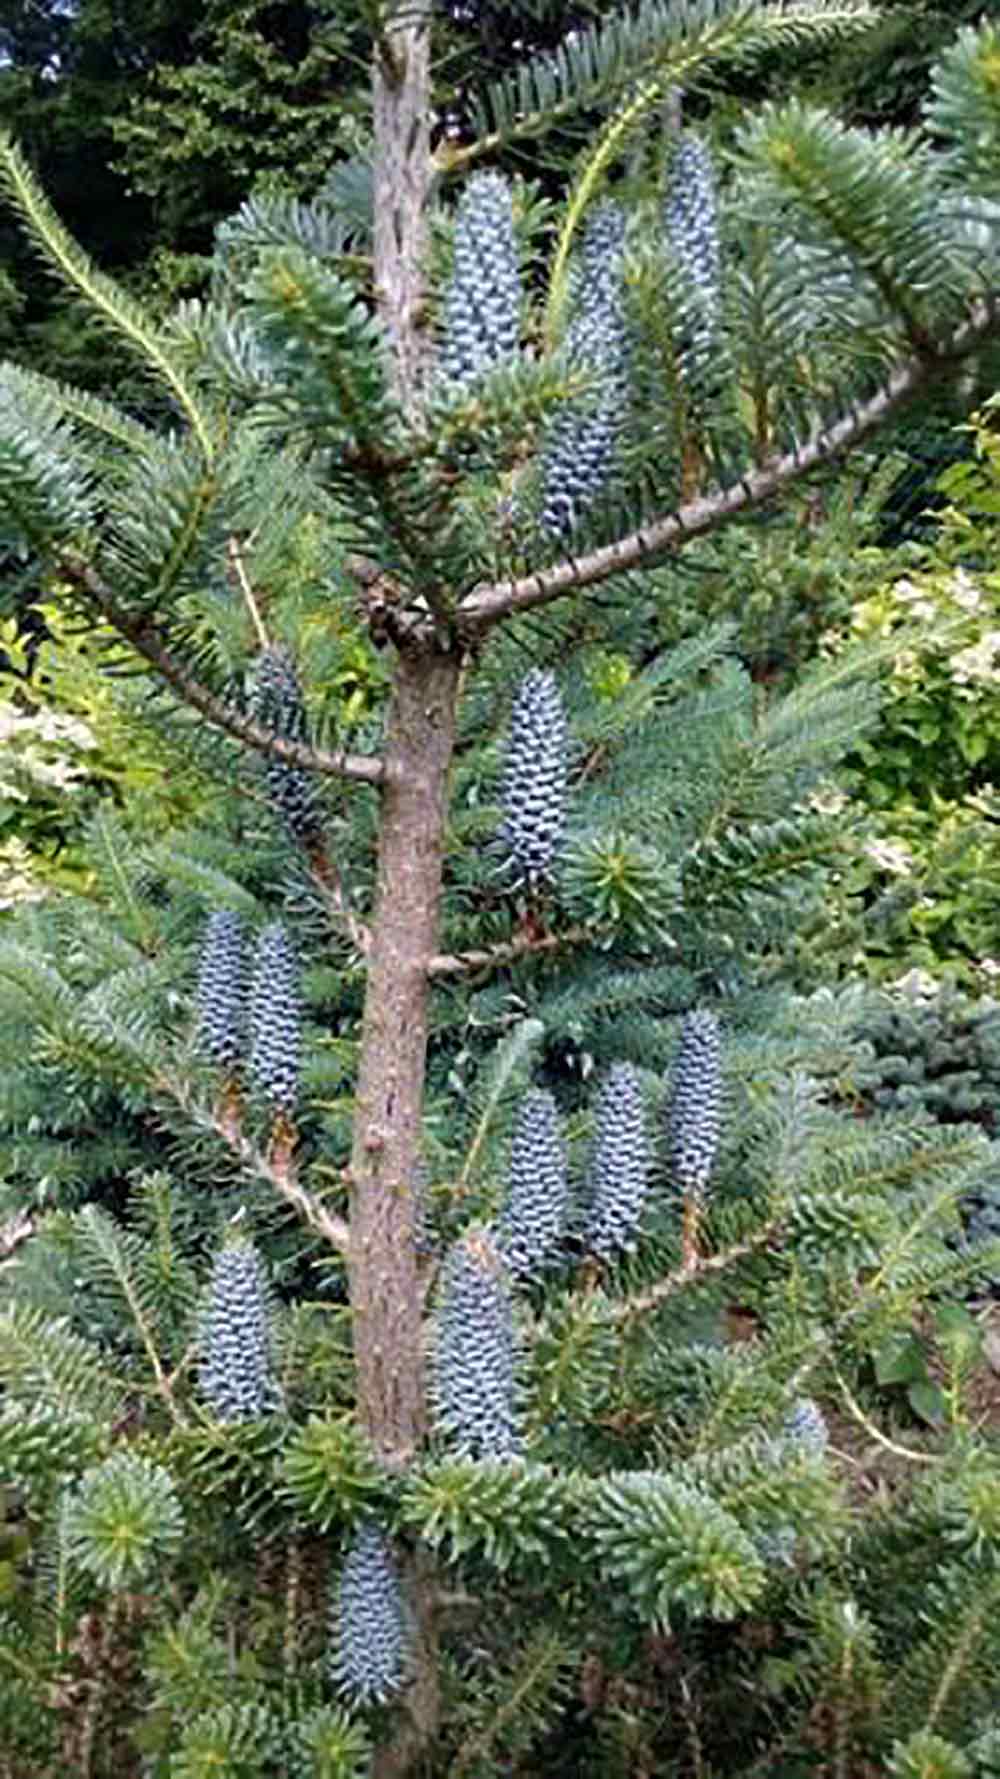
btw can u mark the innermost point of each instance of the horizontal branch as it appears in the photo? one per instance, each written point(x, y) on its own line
point(691, 1273)
point(493, 957)
point(149, 642)
point(899, 1451)
point(486, 605)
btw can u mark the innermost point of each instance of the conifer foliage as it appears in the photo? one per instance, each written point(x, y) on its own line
point(590, 1527)
point(805, 1423)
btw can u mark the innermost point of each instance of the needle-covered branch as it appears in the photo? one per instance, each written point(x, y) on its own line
point(149, 642)
point(486, 605)
point(692, 1273)
point(494, 957)
point(278, 1169)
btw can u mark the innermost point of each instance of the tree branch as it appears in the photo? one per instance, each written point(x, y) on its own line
point(466, 963)
point(690, 1274)
point(278, 1169)
point(331, 887)
point(238, 571)
point(486, 605)
point(149, 642)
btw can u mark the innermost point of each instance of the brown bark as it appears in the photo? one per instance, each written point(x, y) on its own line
point(402, 117)
point(386, 1295)
point(386, 1290)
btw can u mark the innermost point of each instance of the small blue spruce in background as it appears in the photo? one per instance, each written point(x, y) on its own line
point(805, 1429)
point(619, 1166)
point(534, 781)
point(275, 1019)
point(482, 310)
point(476, 1351)
point(369, 1631)
point(534, 1213)
point(235, 1375)
point(221, 996)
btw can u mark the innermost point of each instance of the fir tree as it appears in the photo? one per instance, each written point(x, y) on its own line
point(536, 1492)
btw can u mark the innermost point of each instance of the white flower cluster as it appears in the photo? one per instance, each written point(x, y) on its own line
point(25, 736)
point(890, 855)
point(980, 663)
point(17, 882)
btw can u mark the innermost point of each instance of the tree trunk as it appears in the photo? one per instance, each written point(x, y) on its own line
point(386, 1296)
point(385, 1287)
point(402, 117)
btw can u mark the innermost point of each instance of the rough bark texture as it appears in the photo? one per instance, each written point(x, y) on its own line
point(386, 1293)
point(402, 117)
point(385, 1287)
